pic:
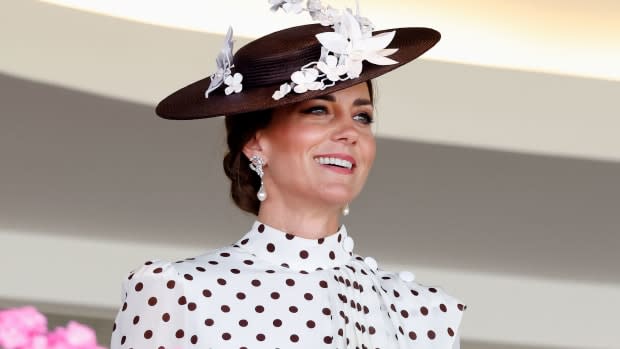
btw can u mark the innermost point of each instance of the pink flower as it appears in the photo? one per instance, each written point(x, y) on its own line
point(26, 328)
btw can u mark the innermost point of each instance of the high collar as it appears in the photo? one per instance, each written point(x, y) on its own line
point(296, 252)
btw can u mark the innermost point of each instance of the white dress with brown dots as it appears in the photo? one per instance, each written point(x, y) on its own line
point(273, 290)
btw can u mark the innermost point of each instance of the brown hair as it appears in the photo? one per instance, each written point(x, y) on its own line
point(240, 128)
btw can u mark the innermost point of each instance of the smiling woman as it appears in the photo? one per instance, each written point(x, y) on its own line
point(299, 109)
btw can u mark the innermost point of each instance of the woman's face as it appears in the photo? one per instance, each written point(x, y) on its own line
point(321, 149)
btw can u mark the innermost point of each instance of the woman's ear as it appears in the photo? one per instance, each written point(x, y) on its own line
point(253, 147)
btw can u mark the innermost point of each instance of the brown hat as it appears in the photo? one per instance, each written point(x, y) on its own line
point(296, 64)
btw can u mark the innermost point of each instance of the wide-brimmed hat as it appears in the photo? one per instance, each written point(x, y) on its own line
point(297, 64)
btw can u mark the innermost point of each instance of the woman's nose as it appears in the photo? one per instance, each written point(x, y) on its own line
point(346, 130)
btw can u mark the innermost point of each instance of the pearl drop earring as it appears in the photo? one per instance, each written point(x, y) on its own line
point(346, 210)
point(256, 164)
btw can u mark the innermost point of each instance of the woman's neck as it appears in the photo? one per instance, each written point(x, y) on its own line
point(300, 219)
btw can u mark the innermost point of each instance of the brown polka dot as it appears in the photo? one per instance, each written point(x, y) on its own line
point(327, 339)
point(321, 240)
point(294, 338)
point(450, 332)
point(414, 292)
point(191, 306)
point(404, 313)
point(396, 294)
point(275, 295)
point(244, 241)
point(221, 281)
point(225, 254)
point(460, 306)
point(182, 300)
point(443, 307)
point(188, 277)
point(261, 228)
point(323, 283)
point(303, 254)
point(201, 269)
point(424, 311)
point(310, 324)
point(243, 322)
point(260, 337)
point(226, 336)
point(259, 308)
point(289, 236)
point(327, 311)
point(209, 322)
point(235, 271)
point(139, 287)
point(123, 339)
point(114, 327)
point(431, 334)
point(152, 301)
point(290, 282)
point(157, 270)
point(148, 263)
point(308, 296)
point(332, 255)
point(255, 282)
point(170, 284)
point(248, 262)
point(194, 339)
point(271, 247)
point(206, 293)
point(432, 289)
point(293, 309)
point(180, 334)
point(125, 306)
point(240, 295)
point(277, 322)
point(413, 335)
point(165, 317)
point(371, 330)
point(225, 308)
point(148, 334)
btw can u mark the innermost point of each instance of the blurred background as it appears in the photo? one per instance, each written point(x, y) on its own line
point(497, 175)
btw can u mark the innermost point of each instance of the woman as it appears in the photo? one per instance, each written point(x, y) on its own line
point(299, 108)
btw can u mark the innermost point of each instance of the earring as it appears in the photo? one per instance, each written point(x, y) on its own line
point(345, 210)
point(256, 164)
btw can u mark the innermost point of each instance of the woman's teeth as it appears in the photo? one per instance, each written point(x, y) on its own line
point(334, 161)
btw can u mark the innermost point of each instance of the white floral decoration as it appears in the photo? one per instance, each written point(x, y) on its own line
point(283, 91)
point(343, 51)
point(223, 73)
point(234, 83)
point(289, 6)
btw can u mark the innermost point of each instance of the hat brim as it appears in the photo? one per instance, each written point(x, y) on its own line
point(189, 102)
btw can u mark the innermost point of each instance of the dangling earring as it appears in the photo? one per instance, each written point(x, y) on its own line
point(345, 210)
point(256, 164)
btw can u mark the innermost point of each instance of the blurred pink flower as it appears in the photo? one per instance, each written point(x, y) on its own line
point(26, 328)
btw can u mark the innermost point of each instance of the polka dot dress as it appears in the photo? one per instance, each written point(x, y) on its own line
point(272, 289)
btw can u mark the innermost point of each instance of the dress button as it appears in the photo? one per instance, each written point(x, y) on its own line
point(371, 263)
point(406, 276)
point(348, 244)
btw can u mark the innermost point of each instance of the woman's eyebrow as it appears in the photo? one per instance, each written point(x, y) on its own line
point(358, 102)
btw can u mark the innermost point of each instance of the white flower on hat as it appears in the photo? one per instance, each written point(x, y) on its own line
point(234, 83)
point(283, 91)
point(306, 80)
point(289, 6)
point(331, 68)
point(224, 66)
point(350, 41)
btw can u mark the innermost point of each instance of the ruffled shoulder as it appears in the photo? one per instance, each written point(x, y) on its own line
point(421, 312)
point(153, 310)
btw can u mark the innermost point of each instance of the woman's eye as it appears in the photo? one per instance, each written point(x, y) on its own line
point(364, 118)
point(317, 110)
